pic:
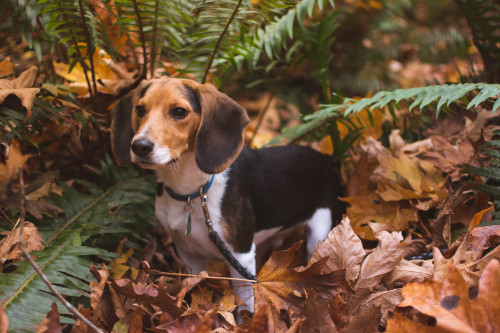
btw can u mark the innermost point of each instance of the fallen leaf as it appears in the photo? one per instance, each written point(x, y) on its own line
point(259, 323)
point(366, 321)
point(118, 267)
point(79, 326)
point(51, 323)
point(286, 288)
point(381, 261)
point(344, 250)
point(4, 319)
point(450, 158)
point(97, 290)
point(22, 88)
point(451, 305)
point(9, 246)
point(148, 293)
point(372, 208)
point(317, 314)
point(408, 271)
point(16, 160)
point(6, 67)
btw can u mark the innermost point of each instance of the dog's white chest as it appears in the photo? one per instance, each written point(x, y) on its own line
point(172, 216)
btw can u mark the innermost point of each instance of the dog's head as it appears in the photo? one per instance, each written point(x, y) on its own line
point(162, 119)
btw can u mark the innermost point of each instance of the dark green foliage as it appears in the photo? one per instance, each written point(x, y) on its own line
point(95, 219)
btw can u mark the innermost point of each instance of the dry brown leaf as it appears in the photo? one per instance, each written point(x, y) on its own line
point(79, 326)
point(4, 319)
point(6, 67)
point(403, 178)
point(22, 87)
point(9, 246)
point(450, 158)
point(343, 249)
point(16, 160)
point(382, 303)
point(367, 321)
point(408, 271)
point(97, 290)
point(51, 323)
point(317, 314)
point(148, 293)
point(381, 261)
point(371, 208)
point(286, 288)
point(259, 323)
point(451, 305)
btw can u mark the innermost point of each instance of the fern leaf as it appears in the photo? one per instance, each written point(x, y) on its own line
point(27, 297)
point(417, 97)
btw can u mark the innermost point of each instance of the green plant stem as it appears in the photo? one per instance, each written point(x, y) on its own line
point(143, 41)
point(74, 218)
point(78, 52)
point(152, 61)
point(90, 52)
point(219, 41)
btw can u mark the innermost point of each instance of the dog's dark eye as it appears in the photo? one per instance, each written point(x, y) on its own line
point(179, 113)
point(140, 110)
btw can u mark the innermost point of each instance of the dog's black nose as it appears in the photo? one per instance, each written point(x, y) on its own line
point(142, 147)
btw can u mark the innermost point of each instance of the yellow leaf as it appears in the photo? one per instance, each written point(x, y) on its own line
point(118, 267)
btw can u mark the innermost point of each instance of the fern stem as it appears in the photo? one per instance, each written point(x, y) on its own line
point(143, 42)
point(77, 48)
point(219, 41)
point(90, 51)
point(74, 218)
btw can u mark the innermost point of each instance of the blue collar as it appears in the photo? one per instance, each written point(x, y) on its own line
point(188, 197)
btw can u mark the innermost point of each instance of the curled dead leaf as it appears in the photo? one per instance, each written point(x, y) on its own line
point(9, 246)
point(22, 88)
point(452, 305)
point(344, 250)
point(277, 280)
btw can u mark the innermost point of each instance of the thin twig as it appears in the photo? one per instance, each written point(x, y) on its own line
point(219, 41)
point(12, 222)
point(262, 113)
point(58, 115)
point(201, 276)
point(28, 257)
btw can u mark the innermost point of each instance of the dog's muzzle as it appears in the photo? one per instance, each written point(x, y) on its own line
point(142, 147)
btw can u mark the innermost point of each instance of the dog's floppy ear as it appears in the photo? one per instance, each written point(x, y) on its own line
point(121, 129)
point(219, 139)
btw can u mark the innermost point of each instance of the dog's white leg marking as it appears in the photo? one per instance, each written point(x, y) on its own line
point(244, 290)
point(319, 226)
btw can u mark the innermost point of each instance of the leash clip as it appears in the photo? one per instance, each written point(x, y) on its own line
point(208, 220)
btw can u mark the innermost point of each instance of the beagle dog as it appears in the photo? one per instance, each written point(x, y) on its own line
point(192, 136)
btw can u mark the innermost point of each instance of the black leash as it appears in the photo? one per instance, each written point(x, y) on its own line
point(212, 234)
point(219, 243)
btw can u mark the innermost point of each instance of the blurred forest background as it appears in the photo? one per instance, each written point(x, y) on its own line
point(401, 93)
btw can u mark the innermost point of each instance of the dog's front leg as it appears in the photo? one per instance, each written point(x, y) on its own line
point(244, 290)
point(194, 263)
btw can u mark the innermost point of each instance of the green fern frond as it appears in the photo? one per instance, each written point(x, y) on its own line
point(415, 97)
point(27, 297)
